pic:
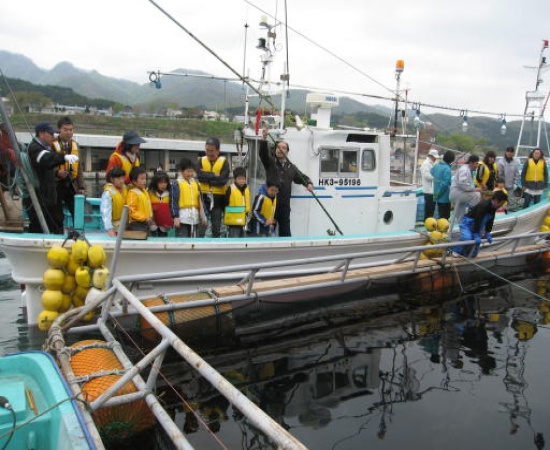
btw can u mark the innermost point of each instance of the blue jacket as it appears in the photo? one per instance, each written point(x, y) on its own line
point(442, 181)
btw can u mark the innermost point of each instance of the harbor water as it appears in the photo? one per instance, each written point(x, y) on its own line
point(378, 371)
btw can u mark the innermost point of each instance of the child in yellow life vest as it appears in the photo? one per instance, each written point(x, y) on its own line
point(159, 193)
point(237, 199)
point(499, 186)
point(186, 201)
point(113, 200)
point(139, 203)
point(263, 220)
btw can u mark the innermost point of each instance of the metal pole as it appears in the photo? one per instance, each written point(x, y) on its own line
point(416, 154)
point(28, 184)
point(121, 228)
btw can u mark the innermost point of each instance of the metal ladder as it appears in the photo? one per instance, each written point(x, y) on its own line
point(535, 106)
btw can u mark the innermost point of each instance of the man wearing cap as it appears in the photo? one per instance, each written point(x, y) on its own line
point(45, 161)
point(126, 154)
point(70, 178)
point(428, 182)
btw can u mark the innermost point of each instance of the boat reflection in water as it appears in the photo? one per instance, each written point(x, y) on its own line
point(470, 372)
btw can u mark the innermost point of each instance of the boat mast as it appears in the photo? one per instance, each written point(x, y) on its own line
point(28, 185)
point(535, 106)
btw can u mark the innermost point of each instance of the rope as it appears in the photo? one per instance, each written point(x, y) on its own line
point(46, 411)
point(518, 286)
point(169, 384)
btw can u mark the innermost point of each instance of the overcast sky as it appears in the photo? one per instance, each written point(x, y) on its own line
point(464, 54)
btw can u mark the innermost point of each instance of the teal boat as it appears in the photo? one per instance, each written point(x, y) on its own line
point(37, 409)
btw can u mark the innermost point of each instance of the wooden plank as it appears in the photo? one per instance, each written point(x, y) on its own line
point(307, 280)
point(369, 272)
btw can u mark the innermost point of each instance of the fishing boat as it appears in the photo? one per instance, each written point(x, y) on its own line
point(37, 408)
point(355, 209)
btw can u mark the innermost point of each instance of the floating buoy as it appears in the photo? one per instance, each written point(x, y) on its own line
point(72, 265)
point(120, 422)
point(434, 285)
point(69, 284)
point(96, 256)
point(79, 295)
point(442, 225)
point(174, 318)
point(66, 302)
point(83, 276)
point(58, 257)
point(46, 318)
point(100, 277)
point(53, 279)
point(430, 223)
point(52, 300)
point(79, 251)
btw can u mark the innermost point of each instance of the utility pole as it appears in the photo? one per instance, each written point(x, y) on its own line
point(399, 67)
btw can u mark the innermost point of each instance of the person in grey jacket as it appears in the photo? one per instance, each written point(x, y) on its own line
point(508, 170)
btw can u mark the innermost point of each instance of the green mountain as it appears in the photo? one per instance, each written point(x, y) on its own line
point(69, 85)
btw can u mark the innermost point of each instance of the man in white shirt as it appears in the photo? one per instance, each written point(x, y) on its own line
point(427, 182)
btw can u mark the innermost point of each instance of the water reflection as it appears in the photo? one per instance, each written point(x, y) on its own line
point(470, 372)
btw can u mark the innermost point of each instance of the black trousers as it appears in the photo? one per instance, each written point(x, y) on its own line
point(214, 213)
point(444, 210)
point(52, 214)
point(282, 216)
point(429, 206)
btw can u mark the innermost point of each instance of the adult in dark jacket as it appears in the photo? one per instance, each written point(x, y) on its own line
point(45, 161)
point(478, 223)
point(279, 169)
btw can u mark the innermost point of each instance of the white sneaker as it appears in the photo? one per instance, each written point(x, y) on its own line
point(456, 255)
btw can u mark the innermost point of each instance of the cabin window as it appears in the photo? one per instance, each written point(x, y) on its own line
point(368, 160)
point(337, 162)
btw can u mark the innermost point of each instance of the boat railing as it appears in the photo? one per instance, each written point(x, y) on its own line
point(337, 270)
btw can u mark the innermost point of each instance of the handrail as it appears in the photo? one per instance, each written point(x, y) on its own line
point(317, 259)
point(342, 266)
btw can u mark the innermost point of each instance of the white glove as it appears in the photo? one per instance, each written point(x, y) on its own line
point(71, 159)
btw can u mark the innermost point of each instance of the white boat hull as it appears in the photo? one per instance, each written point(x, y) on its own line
point(27, 253)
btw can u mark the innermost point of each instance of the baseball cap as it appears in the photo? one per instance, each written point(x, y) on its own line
point(433, 152)
point(46, 127)
point(132, 138)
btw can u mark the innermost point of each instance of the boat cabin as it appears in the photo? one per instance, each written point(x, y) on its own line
point(350, 170)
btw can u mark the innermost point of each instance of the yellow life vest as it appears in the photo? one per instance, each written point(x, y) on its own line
point(72, 168)
point(119, 200)
point(268, 207)
point(140, 205)
point(189, 194)
point(155, 198)
point(126, 164)
point(487, 171)
point(238, 208)
point(535, 170)
point(216, 168)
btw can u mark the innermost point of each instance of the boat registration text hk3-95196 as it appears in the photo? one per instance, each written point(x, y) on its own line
point(339, 182)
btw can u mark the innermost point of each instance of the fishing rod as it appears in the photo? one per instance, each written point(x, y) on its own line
point(311, 192)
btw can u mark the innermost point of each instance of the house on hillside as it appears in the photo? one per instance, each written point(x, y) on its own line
point(210, 115)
